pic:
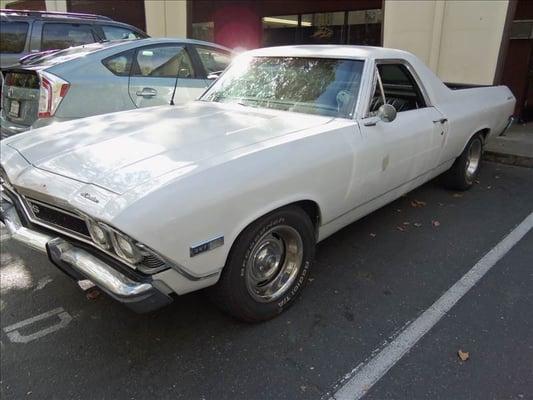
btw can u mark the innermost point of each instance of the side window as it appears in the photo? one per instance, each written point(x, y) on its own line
point(62, 36)
point(13, 36)
point(119, 33)
point(213, 60)
point(401, 89)
point(119, 64)
point(164, 62)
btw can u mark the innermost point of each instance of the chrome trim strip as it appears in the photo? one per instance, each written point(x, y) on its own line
point(35, 240)
point(33, 217)
point(509, 123)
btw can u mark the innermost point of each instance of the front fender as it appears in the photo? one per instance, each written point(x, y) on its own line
point(224, 197)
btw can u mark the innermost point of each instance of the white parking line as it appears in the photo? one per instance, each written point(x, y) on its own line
point(15, 336)
point(360, 380)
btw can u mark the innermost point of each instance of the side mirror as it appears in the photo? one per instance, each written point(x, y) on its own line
point(387, 113)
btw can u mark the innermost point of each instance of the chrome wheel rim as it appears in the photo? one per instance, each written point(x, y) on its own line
point(473, 159)
point(274, 263)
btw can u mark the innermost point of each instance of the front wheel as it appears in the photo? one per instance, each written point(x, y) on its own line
point(267, 266)
point(465, 169)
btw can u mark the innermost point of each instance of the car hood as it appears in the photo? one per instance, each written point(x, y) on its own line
point(120, 151)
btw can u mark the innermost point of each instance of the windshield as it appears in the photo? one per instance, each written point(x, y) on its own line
point(320, 86)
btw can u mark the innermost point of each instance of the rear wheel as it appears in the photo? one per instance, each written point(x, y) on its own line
point(267, 266)
point(465, 169)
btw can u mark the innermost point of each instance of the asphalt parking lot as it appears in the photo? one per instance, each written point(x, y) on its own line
point(369, 281)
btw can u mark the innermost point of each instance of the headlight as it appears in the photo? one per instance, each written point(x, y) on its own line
point(126, 248)
point(99, 234)
point(135, 254)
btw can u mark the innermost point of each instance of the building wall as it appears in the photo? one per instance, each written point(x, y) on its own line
point(56, 5)
point(166, 18)
point(127, 11)
point(459, 40)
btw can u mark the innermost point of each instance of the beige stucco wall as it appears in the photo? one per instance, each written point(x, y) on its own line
point(166, 18)
point(458, 39)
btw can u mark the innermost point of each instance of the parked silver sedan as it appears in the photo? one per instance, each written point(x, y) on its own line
point(106, 77)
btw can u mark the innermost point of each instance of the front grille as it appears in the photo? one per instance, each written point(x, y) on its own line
point(70, 223)
point(58, 217)
point(151, 261)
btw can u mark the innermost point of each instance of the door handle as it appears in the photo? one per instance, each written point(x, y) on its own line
point(441, 120)
point(146, 92)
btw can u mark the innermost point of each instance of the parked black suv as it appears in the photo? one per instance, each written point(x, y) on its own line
point(27, 32)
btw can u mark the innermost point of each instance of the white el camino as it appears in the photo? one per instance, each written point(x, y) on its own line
point(235, 189)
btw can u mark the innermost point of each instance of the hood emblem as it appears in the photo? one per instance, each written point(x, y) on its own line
point(90, 197)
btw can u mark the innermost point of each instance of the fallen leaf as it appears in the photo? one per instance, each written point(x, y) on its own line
point(463, 355)
point(92, 294)
point(417, 224)
point(407, 223)
point(457, 195)
point(489, 187)
point(435, 223)
point(373, 235)
point(417, 203)
point(400, 228)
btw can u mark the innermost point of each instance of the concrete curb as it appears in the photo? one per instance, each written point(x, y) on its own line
point(509, 159)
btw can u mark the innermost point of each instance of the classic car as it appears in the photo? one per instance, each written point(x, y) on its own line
point(105, 77)
point(234, 190)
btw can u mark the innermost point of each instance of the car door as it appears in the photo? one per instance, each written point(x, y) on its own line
point(154, 74)
point(400, 153)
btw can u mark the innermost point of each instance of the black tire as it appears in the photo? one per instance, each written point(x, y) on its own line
point(235, 294)
point(461, 176)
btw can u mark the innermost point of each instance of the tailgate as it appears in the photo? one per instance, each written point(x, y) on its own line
point(20, 96)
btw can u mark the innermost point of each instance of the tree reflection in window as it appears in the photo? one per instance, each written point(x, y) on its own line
point(308, 85)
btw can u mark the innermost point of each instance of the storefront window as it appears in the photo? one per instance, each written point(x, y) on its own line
point(203, 31)
point(280, 30)
point(364, 27)
point(323, 28)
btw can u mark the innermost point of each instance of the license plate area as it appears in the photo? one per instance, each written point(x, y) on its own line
point(14, 109)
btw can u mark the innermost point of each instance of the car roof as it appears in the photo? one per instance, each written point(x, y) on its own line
point(181, 40)
point(107, 48)
point(330, 51)
point(64, 17)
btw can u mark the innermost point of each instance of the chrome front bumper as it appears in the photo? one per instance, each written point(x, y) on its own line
point(79, 264)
